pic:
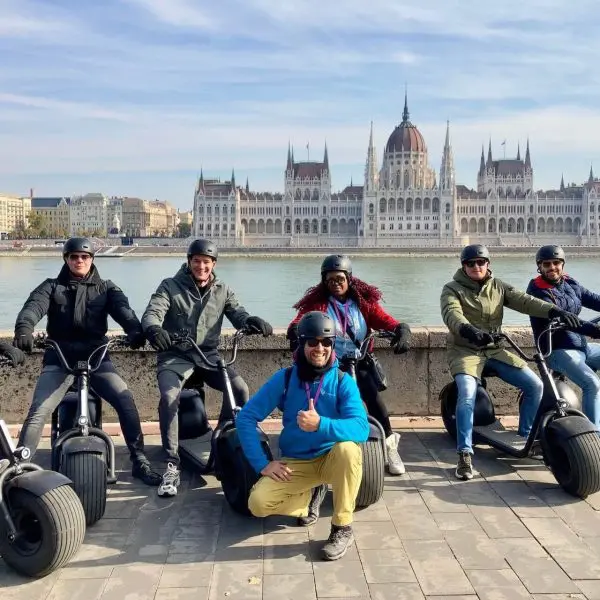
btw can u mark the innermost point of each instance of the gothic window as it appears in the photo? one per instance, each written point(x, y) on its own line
point(435, 207)
point(371, 208)
point(382, 205)
point(447, 207)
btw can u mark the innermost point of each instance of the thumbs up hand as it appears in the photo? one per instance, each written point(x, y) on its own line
point(308, 420)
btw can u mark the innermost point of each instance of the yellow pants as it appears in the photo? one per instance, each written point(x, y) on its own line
point(341, 467)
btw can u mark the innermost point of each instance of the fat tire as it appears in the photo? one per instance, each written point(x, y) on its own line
point(576, 464)
point(62, 522)
point(88, 472)
point(448, 408)
point(373, 473)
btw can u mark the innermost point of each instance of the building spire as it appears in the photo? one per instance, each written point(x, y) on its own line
point(447, 168)
point(591, 173)
point(289, 157)
point(489, 157)
point(518, 151)
point(405, 113)
point(247, 186)
point(527, 156)
point(233, 178)
point(482, 162)
point(371, 175)
point(562, 182)
point(326, 157)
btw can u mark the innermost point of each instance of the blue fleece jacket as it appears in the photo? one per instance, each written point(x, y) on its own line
point(570, 295)
point(343, 416)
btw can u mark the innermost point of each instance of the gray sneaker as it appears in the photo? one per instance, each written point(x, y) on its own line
point(170, 481)
point(464, 468)
point(340, 539)
point(314, 506)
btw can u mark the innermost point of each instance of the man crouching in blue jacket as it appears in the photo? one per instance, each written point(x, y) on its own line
point(323, 420)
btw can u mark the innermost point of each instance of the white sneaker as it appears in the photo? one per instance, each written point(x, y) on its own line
point(170, 481)
point(395, 464)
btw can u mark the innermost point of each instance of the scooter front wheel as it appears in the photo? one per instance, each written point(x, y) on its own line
point(50, 530)
point(88, 472)
point(575, 462)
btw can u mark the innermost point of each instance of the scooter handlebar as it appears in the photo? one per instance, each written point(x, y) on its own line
point(100, 350)
point(184, 337)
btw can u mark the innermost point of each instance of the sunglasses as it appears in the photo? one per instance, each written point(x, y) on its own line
point(314, 342)
point(79, 256)
point(476, 262)
point(551, 263)
point(338, 280)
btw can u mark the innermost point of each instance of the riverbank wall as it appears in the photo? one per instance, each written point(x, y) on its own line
point(415, 379)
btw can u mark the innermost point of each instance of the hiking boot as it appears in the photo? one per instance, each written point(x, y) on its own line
point(395, 464)
point(464, 468)
point(340, 539)
point(141, 469)
point(314, 506)
point(170, 481)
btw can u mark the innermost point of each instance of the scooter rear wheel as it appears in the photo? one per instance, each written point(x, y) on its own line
point(575, 463)
point(373, 473)
point(51, 528)
point(88, 472)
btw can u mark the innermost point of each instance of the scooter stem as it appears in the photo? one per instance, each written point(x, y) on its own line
point(227, 389)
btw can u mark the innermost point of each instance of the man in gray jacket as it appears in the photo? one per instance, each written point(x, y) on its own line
point(194, 300)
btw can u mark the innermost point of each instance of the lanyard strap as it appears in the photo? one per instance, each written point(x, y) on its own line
point(307, 390)
point(343, 322)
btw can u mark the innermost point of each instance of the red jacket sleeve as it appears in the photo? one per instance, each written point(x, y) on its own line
point(377, 318)
point(317, 306)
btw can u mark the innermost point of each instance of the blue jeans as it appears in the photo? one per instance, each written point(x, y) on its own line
point(524, 379)
point(580, 367)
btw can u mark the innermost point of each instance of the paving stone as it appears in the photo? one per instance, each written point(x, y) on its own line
point(442, 498)
point(521, 499)
point(375, 512)
point(287, 554)
point(559, 597)
point(427, 549)
point(474, 551)
point(17, 587)
point(382, 556)
point(90, 589)
point(399, 572)
point(72, 571)
point(576, 559)
point(408, 498)
point(457, 522)
point(186, 576)
point(553, 531)
point(190, 593)
point(520, 547)
point(477, 493)
point(482, 579)
point(376, 534)
point(396, 591)
point(342, 578)
point(441, 576)
point(289, 587)
point(580, 517)
point(133, 582)
point(542, 575)
point(415, 523)
point(508, 593)
point(244, 582)
point(499, 522)
point(591, 589)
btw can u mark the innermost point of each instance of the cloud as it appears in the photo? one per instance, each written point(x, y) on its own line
point(138, 85)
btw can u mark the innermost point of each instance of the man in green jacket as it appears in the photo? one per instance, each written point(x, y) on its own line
point(472, 308)
point(195, 300)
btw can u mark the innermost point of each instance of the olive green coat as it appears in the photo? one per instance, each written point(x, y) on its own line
point(466, 301)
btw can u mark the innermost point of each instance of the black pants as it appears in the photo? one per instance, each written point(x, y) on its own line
point(170, 383)
point(372, 398)
point(54, 383)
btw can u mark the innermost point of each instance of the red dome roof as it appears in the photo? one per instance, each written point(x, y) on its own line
point(406, 137)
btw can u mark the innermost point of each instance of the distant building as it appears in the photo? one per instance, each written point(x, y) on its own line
point(145, 218)
point(14, 213)
point(54, 214)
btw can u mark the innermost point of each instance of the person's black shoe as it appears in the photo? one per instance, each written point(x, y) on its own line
point(314, 506)
point(142, 470)
point(340, 539)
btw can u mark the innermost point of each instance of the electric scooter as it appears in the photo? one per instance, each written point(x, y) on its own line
point(569, 441)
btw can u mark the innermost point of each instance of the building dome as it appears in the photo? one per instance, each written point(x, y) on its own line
point(406, 137)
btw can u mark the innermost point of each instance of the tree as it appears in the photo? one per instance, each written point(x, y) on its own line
point(184, 230)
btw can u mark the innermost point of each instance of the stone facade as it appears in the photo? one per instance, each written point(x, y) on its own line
point(14, 213)
point(54, 213)
point(402, 203)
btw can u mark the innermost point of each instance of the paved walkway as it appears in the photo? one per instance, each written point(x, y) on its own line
point(509, 534)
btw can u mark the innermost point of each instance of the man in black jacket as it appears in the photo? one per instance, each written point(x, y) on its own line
point(77, 304)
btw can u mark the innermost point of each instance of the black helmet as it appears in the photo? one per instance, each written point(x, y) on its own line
point(549, 252)
point(336, 262)
point(78, 244)
point(316, 324)
point(474, 251)
point(204, 247)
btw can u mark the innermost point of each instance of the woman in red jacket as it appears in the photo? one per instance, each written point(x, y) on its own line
point(355, 308)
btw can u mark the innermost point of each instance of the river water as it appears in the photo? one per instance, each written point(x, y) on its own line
point(268, 287)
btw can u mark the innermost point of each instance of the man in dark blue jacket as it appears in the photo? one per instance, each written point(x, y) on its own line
point(324, 420)
point(572, 355)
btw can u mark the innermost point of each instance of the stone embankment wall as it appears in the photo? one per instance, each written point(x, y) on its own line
point(415, 379)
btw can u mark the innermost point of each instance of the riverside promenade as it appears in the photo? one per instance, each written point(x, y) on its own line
point(511, 533)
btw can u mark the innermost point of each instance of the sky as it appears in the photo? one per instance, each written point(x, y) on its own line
point(135, 97)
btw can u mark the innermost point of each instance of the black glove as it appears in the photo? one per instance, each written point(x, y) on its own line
point(260, 325)
point(23, 339)
point(475, 336)
point(571, 320)
point(401, 340)
point(159, 339)
point(137, 340)
point(15, 355)
point(595, 334)
point(292, 335)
